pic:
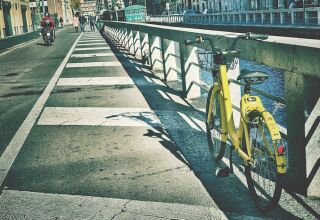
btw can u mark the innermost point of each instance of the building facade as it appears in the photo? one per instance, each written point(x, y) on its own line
point(88, 7)
point(199, 6)
point(15, 17)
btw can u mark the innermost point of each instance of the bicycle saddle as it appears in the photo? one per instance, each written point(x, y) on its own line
point(252, 77)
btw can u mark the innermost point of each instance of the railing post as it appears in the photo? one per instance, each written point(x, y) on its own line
point(306, 17)
point(130, 42)
point(183, 71)
point(271, 18)
point(282, 14)
point(292, 18)
point(294, 89)
point(262, 18)
point(318, 14)
point(144, 47)
point(190, 71)
point(137, 45)
point(254, 18)
point(155, 52)
point(170, 57)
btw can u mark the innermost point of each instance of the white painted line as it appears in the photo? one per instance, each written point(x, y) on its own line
point(35, 205)
point(87, 41)
point(132, 117)
point(17, 141)
point(91, 38)
point(87, 55)
point(92, 64)
point(93, 48)
point(87, 81)
point(91, 44)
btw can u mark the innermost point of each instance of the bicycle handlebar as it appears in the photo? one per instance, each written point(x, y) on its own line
point(253, 36)
point(197, 40)
point(246, 36)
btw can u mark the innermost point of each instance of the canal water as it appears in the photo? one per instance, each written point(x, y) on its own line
point(273, 85)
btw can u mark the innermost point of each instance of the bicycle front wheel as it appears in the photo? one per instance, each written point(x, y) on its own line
point(214, 127)
point(262, 177)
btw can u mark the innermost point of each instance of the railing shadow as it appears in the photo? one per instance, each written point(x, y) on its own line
point(230, 194)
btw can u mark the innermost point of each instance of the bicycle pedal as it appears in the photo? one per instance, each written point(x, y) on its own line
point(223, 172)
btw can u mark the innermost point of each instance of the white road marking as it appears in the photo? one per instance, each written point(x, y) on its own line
point(91, 38)
point(132, 117)
point(84, 81)
point(91, 44)
point(17, 141)
point(93, 48)
point(87, 41)
point(92, 64)
point(34, 205)
point(87, 55)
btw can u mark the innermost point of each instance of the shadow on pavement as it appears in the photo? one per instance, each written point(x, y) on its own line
point(190, 144)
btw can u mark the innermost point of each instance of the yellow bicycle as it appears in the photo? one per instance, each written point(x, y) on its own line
point(257, 140)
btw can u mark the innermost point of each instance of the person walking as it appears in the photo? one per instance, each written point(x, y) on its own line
point(82, 21)
point(92, 21)
point(61, 22)
point(76, 23)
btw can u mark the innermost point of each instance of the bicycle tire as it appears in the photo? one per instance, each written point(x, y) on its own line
point(216, 146)
point(264, 201)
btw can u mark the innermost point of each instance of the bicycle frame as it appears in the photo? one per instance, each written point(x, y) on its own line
point(248, 104)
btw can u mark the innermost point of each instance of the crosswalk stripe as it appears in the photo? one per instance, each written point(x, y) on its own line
point(92, 55)
point(91, 44)
point(84, 81)
point(80, 41)
point(128, 117)
point(92, 64)
point(93, 48)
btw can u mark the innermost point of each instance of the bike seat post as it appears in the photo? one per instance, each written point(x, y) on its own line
point(247, 88)
point(230, 160)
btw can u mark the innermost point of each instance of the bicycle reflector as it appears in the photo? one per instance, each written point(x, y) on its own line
point(281, 149)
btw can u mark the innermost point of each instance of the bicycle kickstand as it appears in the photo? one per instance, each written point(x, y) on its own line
point(231, 163)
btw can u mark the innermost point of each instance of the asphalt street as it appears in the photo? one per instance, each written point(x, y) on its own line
point(89, 132)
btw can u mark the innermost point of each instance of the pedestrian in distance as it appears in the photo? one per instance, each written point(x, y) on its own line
point(76, 23)
point(82, 21)
point(92, 21)
point(61, 22)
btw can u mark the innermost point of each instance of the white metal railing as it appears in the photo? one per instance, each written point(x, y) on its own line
point(296, 16)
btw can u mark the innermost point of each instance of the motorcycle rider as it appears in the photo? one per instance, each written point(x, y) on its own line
point(50, 25)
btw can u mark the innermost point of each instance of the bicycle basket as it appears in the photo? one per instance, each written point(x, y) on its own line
point(205, 60)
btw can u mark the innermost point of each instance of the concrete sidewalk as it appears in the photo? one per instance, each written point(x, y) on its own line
point(30, 205)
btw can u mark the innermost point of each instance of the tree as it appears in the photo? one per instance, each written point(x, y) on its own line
point(75, 4)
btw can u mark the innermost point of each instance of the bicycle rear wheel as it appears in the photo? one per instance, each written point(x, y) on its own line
point(262, 177)
point(216, 145)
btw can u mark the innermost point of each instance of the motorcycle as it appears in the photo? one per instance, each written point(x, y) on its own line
point(47, 33)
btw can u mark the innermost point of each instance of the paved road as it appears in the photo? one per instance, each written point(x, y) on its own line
point(92, 122)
